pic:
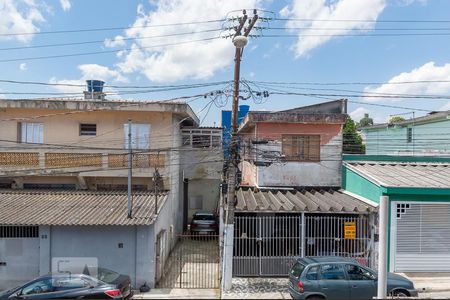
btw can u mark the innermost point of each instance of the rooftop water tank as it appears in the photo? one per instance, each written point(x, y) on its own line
point(95, 85)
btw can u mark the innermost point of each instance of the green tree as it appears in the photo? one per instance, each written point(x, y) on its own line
point(352, 141)
point(366, 121)
point(395, 119)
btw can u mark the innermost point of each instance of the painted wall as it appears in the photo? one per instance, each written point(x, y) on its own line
point(357, 184)
point(428, 139)
point(204, 194)
point(271, 171)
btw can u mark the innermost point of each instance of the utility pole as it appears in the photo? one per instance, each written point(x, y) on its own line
point(156, 178)
point(382, 247)
point(130, 172)
point(239, 41)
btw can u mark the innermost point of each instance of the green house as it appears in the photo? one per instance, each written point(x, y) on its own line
point(419, 206)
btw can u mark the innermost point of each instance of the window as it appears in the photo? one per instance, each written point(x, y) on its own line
point(357, 273)
point(88, 129)
point(312, 273)
point(140, 136)
point(409, 135)
point(39, 287)
point(297, 269)
point(67, 283)
point(301, 147)
point(19, 231)
point(332, 272)
point(201, 141)
point(32, 133)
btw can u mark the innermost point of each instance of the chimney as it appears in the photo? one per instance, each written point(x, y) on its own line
point(94, 90)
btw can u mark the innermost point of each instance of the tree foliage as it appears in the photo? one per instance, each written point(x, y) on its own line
point(352, 141)
point(395, 119)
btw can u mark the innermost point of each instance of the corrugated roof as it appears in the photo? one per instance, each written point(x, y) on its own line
point(405, 175)
point(45, 207)
point(311, 200)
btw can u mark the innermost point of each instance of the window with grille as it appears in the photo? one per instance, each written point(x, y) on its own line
point(88, 129)
point(19, 231)
point(301, 147)
point(409, 135)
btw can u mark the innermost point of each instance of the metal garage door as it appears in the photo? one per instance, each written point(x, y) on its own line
point(423, 237)
point(19, 255)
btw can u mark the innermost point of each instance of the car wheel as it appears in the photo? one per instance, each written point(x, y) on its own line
point(400, 293)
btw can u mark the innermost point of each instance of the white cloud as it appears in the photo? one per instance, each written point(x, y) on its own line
point(446, 106)
point(19, 16)
point(116, 42)
point(313, 11)
point(196, 60)
point(23, 67)
point(427, 72)
point(88, 71)
point(358, 113)
point(65, 4)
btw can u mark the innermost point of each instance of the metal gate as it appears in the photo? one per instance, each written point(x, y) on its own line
point(193, 263)
point(268, 245)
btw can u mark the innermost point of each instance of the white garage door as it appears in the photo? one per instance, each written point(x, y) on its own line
point(422, 237)
point(19, 255)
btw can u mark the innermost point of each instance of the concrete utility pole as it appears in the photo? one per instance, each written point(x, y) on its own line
point(130, 171)
point(382, 247)
point(239, 41)
point(156, 178)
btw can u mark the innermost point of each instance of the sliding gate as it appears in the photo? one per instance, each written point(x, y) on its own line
point(268, 245)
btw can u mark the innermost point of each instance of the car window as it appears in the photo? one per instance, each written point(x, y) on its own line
point(312, 273)
point(66, 283)
point(357, 273)
point(297, 269)
point(107, 276)
point(332, 272)
point(205, 217)
point(38, 287)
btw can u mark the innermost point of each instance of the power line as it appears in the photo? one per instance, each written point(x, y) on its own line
point(348, 35)
point(352, 83)
point(360, 20)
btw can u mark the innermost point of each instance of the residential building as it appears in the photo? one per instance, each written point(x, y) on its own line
point(427, 135)
point(418, 191)
point(63, 174)
point(290, 203)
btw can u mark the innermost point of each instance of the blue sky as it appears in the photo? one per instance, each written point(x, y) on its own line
point(304, 56)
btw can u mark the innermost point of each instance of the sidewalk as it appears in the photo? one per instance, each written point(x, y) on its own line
point(179, 294)
point(429, 282)
point(258, 288)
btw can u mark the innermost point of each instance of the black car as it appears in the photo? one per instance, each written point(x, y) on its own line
point(204, 223)
point(64, 286)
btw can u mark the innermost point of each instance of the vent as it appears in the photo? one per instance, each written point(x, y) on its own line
point(19, 231)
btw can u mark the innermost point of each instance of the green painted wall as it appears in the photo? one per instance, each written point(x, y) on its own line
point(387, 158)
point(357, 184)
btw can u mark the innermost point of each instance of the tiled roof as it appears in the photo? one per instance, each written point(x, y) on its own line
point(46, 207)
point(310, 200)
point(405, 175)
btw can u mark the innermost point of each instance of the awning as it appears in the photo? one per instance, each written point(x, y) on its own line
point(49, 207)
point(306, 200)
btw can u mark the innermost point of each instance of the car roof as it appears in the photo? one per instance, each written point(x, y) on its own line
point(203, 212)
point(326, 259)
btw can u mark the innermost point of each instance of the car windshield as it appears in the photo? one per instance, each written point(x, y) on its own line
point(204, 217)
point(297, 269)
point(106, 275)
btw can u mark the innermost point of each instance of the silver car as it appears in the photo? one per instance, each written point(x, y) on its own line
point(204, 223)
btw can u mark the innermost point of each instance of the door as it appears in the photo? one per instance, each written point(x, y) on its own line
point(333, 282)
point(422, 236)
point(361, 282)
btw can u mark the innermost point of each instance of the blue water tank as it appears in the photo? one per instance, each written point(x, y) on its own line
point(95, 85)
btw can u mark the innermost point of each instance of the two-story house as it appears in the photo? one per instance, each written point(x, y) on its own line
point(64, 171)
point(290, 203)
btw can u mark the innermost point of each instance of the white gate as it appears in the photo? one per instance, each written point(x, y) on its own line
point(268, 245)
point(19, 255)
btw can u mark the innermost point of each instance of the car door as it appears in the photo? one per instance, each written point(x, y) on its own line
point(361, 282)
point(333, 282)
point(39, 289)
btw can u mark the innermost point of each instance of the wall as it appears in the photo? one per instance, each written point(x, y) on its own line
point(272, 171)
point(359, 185)
point(205, 192)
point(100, 242)
point(428, 139)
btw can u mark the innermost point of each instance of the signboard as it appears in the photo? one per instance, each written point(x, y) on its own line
point(349, 230)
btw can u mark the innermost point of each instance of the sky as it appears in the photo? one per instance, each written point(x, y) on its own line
point(387, 57)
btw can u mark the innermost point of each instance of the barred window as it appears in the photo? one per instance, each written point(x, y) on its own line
point(19, 231)
point(301, 147)
point(88, 129)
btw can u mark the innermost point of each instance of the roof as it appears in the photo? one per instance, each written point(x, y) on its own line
point(326, 259)
point(310, 200)
point(403, 174)
point(336, 106)
point(431, 117)
point(49, 207)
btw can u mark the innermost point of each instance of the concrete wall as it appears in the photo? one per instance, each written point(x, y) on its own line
point(428, 139)
point(271, 170)
point(203, 194)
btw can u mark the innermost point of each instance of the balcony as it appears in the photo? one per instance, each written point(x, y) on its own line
point(34, 161)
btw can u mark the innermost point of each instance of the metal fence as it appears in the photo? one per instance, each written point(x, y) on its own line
point(193, 263)
point(268, 245)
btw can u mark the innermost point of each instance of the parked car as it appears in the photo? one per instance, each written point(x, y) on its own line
point(341, 278)
point(204, 223)
point(68, 286)
point(120, 281)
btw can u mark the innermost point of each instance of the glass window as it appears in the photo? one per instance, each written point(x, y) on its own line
point(312, 273)
point(297, 269)
point(32, 133)
point(88, 129)
point(332, 272)
point(357, 273)
point(301, 147)
point(38, 287)
point(63, 283)
point(140, 136)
